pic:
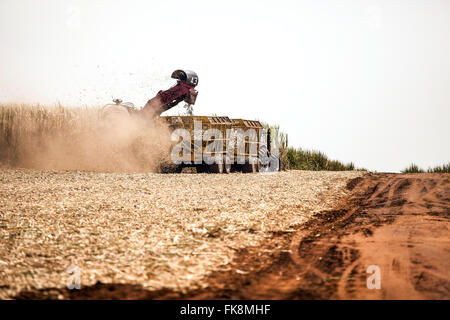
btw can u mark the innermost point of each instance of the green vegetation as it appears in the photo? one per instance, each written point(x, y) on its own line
point(445, 168)
point(413, 168)
point(314, 160)
point(300, 159)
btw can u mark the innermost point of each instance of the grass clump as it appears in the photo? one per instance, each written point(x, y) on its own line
point(445, 168)
point(301, 159)
point(314, 160)
point(413, 168)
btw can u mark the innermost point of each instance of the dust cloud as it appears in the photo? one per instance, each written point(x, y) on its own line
point(63, 139)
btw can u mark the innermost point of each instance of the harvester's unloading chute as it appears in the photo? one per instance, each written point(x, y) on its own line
point(183, 90)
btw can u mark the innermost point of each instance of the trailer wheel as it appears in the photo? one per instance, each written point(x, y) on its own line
point(201, 168)
point(253, 167)
point(216, 168)
point(179, 168)
point(256, 166)
point(227, 165)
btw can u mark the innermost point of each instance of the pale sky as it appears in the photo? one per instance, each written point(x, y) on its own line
point(362, 81)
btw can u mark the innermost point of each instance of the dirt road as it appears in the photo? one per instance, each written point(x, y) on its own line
point(397, 223)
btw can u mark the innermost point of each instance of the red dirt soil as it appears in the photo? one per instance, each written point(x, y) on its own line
point(398, 222)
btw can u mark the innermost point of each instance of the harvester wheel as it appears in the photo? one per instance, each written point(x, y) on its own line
point(201, 168)
point(256, 166)
point(170, 168)
point(252, 167)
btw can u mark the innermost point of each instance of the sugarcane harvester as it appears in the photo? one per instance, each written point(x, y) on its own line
point(257, 153)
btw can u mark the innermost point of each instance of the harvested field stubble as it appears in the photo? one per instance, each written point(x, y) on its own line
point(150, 229)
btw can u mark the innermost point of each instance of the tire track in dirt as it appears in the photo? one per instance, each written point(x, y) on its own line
point(397, 222)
